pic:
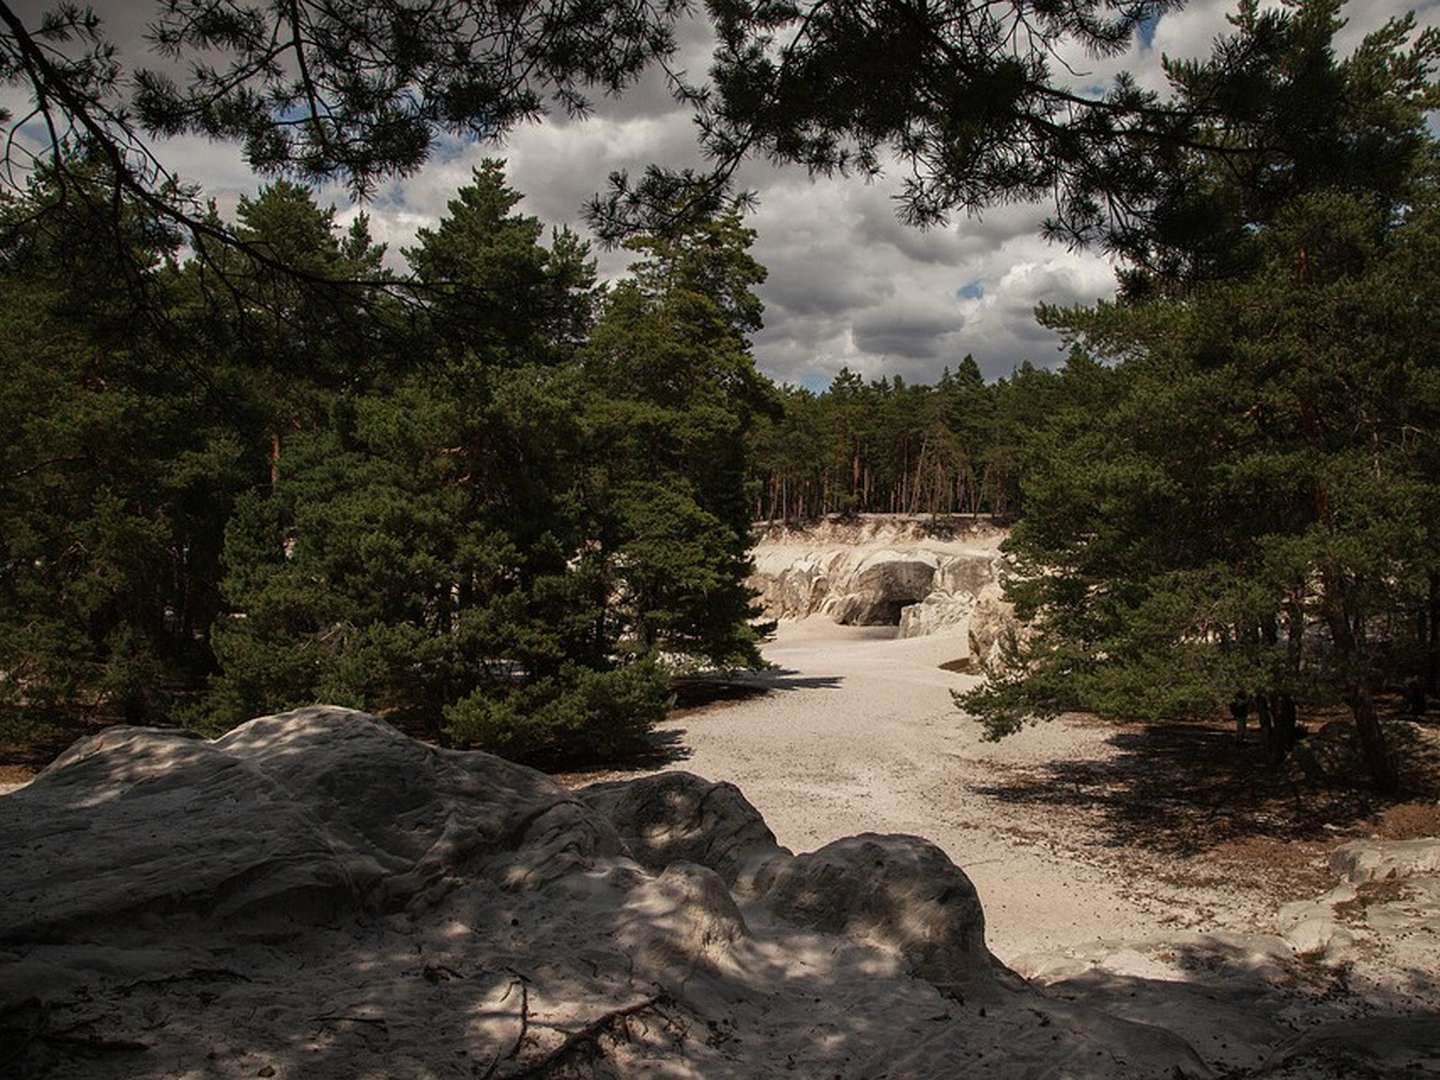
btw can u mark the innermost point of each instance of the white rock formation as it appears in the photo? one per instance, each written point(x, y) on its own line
point(993, 631)
point(1375, 860)
point(876, 570)
point(317, 895)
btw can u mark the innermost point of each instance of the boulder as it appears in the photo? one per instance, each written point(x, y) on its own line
point(676, 817)
point(1373, 860)
point(292, 820)
point(900, 892)
point(681, 921)
point(994, 631)
point(938, 613)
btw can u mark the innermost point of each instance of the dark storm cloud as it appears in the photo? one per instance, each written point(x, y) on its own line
point(915, 335)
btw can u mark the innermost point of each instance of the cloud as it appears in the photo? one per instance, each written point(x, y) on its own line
point(849, 285)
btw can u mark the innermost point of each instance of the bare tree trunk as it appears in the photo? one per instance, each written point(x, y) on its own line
point(1267, 726)
point(1361, 696)
point(1372, 740)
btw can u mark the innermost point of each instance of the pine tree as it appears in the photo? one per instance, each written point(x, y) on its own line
point(673, 394)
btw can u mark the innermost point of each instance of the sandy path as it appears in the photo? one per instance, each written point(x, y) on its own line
point(861, 735)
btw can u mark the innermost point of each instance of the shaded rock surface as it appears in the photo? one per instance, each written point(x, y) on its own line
point(1371, 860)
point(679, 817)
point(317, 895)
point(285, 822)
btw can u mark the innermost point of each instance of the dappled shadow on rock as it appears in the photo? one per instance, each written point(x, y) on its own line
point(1245, 1002)
point(479, 920)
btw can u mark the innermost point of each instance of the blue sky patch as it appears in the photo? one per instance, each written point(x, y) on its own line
point(1146, 31)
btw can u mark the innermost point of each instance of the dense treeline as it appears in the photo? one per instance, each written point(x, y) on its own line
point(499, 502)
point(1239, 503)
point(959, 446)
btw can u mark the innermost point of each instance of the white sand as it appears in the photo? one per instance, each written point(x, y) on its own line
point(861, 735)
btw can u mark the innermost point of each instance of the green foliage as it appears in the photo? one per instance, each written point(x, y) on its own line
point(672, 392)
point(501, 522)
point(577, 713)
point(886, 446)
point(1246, 502)
point(1251, 507)
point(116, 475)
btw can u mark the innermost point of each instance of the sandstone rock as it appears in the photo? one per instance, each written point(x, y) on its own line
point(684, 919)
point(1399, 1046)
point(868, 573)
point(1372, 860)
point(287, 821)
point(994, 631)
point(678, 817)
point(880, 587)
point(938, 613)
point(318, 894)
point(898, 891)
point(1320, 937)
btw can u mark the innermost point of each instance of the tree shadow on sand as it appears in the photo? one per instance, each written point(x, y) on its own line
point(1185, 789)
point(702, 691)
point(695, 696)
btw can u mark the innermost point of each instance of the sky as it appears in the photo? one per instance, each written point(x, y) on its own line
point(849, 285)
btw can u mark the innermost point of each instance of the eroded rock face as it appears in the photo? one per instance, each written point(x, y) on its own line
point(993, 629)
point(881, 587)
point(877, 572)
point(938, 613)
point(1373, 860)
point(288, 821)
point(899, 891)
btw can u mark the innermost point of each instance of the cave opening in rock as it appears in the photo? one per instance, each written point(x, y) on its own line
point(887, 612)
point(879, 595)
point(885, 609)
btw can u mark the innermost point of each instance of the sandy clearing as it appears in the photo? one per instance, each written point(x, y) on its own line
point(861, 735)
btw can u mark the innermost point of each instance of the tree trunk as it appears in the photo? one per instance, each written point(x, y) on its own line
point(1267, 726)
point(1285, 723)
point(1348, 647)
point(1372, 740)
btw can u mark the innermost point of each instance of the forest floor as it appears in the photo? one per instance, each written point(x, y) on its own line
point(1074, 831)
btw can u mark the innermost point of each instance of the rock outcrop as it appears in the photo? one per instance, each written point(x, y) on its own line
point(286, 822)
point(993, 630)
point(317, 895)
point(679, 817)
point(876, 571)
